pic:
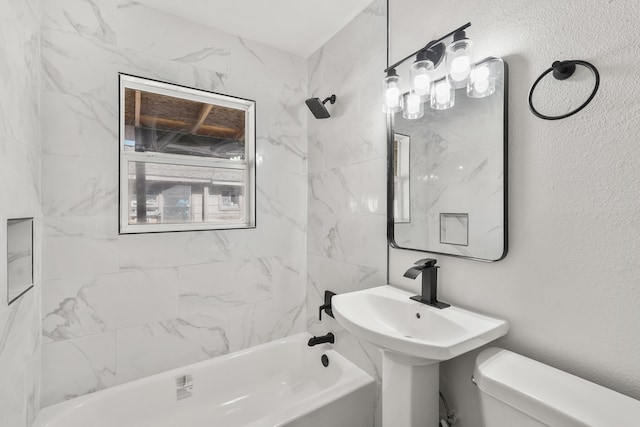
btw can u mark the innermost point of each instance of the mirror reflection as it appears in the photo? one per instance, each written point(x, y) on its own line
point(449, 176)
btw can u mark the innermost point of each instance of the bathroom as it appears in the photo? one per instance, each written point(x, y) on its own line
point(109, 308)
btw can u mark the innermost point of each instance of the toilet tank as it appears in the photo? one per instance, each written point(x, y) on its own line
point(516, 391)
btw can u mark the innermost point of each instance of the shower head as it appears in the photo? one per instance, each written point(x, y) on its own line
point(318, 109)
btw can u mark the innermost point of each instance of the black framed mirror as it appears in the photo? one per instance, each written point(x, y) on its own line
point(450, 197)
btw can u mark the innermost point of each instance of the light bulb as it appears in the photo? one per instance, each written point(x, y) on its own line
point(482, 86)
point(421, 74)
point(482, 80)
point(460, 68)
point(392, 96)
point(442, 95)
point(414, 106)
point(421, 84)
point(459, 60)
point(413, 102)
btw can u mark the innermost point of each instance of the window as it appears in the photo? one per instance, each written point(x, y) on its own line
point(186, 158)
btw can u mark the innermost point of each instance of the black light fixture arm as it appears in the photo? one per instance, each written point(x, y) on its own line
point(431, 43)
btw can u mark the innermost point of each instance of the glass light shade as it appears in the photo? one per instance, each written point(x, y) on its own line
point(482, 80)
point(421, 77)
point(459, 62)
point(413, 106)
point(443, 95)
point(392, 97)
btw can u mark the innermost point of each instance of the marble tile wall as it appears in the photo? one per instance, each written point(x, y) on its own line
point(20, 190)
point(347, 176)
point(117, 308)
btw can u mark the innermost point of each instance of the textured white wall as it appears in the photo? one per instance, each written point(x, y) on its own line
point(116, 308)
point(20, 156)
point(570, 284)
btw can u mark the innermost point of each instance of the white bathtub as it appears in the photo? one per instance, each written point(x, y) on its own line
point(279, 383)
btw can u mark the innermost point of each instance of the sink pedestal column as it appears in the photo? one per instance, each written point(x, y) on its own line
point(410, 391)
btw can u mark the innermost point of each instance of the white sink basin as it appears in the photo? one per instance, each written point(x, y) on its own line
point(386, 317)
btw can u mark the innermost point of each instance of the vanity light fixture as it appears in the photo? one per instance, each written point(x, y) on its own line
point(482, 79)
point(392, 94)
point(429, 86)
point(459, 59)
point(443, 95)
point(414, 106)
point(422, 71)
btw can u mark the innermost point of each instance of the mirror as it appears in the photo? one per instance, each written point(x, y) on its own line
point(447, 177)
point(19, 257)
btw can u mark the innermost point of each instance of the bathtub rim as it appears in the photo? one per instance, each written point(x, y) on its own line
point(351, 381)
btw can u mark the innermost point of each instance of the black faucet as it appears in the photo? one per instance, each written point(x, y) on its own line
point(329, 338)
point(429, 272)
point(327, 304)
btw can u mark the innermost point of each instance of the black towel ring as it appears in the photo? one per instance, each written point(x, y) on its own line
point(562, 70)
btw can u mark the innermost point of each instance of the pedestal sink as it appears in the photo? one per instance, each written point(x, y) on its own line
point(414, 338)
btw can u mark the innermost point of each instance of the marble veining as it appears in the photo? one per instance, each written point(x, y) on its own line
point(347, 178)
point(89, 18)
point(140, 304)
point(20, 190)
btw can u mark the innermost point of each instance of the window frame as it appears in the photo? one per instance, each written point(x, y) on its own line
point(127, 81)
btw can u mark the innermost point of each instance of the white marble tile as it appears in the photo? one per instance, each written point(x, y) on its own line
point(33, 385)
point(144, 29)
point(20, 179)
point(19, 72)
point(75, 65)
point(315, 147)
point(75, 367)
point(358, 239)
point(335, 191)
point(77, 246)
point(356, 130)
point(282, 151)
point(21, 174)
point(261, 323)
point(19, 360)
point(282, 316)
point(79, 126)
point(79, 186)
point(145, 251)
point(203, 78)
point(76, 307)
point(262, 63)
point(84, 67)
point(88, 18)
point(283, 196)
point(160, 346)
point(207, 288)
point(19, 331)
point(275, 235)
point(13, 410)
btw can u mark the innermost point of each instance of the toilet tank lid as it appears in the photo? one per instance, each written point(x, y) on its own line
point(551, 395)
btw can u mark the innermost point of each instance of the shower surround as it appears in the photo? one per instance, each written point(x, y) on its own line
point(117, 308)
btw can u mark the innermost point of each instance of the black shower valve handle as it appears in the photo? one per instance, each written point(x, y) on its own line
point(327, 305)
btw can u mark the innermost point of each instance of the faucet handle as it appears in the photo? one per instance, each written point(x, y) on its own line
point(327, 305)
point(426, 263)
